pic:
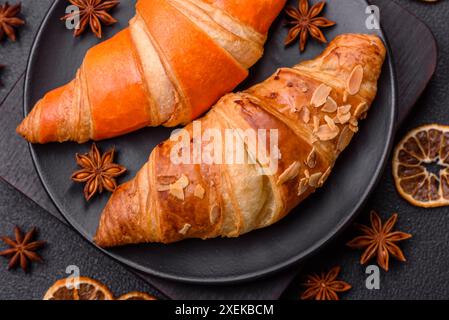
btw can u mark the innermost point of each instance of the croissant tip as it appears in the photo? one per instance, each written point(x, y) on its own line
point(101, 238)
point(98, 241)
point(22, 129)
point(108, 230)
point(26, 132)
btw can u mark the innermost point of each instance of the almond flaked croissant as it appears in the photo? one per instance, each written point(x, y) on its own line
point(175, 60)
point(315, 108)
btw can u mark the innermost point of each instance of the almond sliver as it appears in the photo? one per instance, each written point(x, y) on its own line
point(315, 179)
point(290, 173)
point(199, 191)
point(330, 106)
point(325, 133)
point(355, 80)
point(361, 109)
point(320, 95)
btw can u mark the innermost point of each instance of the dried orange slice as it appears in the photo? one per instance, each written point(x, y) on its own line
point(81, 288)
point(421, 166)
point(137, 296)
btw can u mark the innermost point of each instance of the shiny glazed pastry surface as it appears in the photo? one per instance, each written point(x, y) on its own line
point(174, 61)
point(314, 107)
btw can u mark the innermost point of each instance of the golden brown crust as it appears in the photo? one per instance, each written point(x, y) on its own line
point(315, 117)
point(175, 60)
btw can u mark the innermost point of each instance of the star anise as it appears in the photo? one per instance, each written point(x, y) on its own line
point(305, 21)
point(379, 240)
point(99, 172)
point(324, 286)
point(22, 249)
point(9, 20)
point(92, 13)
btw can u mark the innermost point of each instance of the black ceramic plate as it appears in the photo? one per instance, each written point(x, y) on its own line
point(54, 59)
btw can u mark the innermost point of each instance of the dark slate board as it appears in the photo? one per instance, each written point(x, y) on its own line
point(410, 50)
point(18, 170)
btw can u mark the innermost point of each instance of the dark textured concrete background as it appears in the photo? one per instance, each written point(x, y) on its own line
point(424, 276)
point(64, 248)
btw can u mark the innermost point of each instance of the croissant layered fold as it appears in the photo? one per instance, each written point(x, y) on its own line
point(314, 109)
point(176, 59)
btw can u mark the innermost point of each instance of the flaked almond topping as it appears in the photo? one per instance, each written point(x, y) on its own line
point(344, 109)
point(330, 122)
point(315, 179)
point(345, 138)
point(316, 124)
point(214, 214)
point(354, 122)
point(325, 133)
point(199, 191)
point(305, 114)
point(361, 109)
point(307, 173)
point(354, 81)
point(336, 121)
point(353, 129)
point(324, 177)
point(330, 105)
point(313, 139)
point(290, 173)
point(320, 95)
point(343, 114)
point(303, 186)
point(311, 159)
point(177, 191)
point(343, 118)
point(183, 181)
point(185, 229)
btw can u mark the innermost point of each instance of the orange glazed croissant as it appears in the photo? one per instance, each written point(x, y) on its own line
point(314, 108)
point(176, 59)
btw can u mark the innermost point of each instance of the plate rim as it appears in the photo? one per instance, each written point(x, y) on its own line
point(247, 277)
